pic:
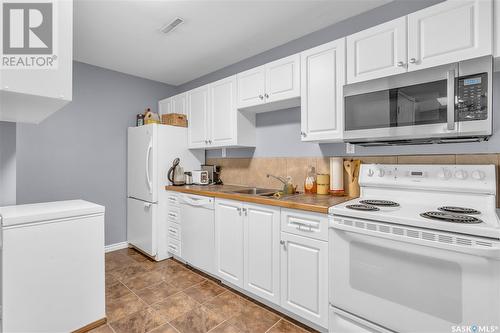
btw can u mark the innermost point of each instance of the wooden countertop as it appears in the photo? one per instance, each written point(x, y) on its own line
point(308, 202)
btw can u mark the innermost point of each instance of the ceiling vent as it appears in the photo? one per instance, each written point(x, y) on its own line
point(172, 25)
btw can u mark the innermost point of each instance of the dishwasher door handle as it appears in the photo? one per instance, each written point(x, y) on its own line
point(195, 200)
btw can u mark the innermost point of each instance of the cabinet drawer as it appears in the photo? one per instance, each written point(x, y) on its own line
point(174, 247)
point(174, 231)
point(313, 225)
point(173, 214)
point(172, 199)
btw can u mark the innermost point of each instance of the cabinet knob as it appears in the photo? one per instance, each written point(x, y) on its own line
point(267, 96)
point(413, 60)
point(261, 97)
point(210, 141)
point(303, 134)
point(400, 64)
point(282, 242)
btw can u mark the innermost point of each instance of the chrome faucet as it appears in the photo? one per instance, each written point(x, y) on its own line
point(288, 187)
point(281, 179)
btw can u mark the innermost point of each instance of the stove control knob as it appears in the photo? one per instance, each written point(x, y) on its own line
point(478, 175)
point(444, 174)
point(370, 173)
point(381, 172)
point(461, 174)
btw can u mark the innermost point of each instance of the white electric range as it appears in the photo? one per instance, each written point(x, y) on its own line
point(419, 251)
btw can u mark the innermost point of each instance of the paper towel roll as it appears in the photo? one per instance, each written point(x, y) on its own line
point(336, 175)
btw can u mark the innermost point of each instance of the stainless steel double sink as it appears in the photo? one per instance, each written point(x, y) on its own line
point(257, 191)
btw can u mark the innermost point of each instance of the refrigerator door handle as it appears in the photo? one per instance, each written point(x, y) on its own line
point(148, 177)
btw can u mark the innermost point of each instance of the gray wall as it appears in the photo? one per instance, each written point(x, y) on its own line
point(7, 163)
point(80, 151)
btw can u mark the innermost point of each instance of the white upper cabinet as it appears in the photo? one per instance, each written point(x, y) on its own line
point(213, 119)
point(273, 86)
point(198, 115)
point(165, 106)
point(251, 87)
point(31, 95)
point(179, 104)
point(449, 32)
point(262, 251)
point(223, 111)
point(283, 79)
point(174, 104)
point(322, 79)
point(377, 52)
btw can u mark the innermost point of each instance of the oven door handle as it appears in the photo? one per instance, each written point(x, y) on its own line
point(480, 251)
point(450, 91)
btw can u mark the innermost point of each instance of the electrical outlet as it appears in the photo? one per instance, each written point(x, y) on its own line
point(350, 148)
point(224, 153)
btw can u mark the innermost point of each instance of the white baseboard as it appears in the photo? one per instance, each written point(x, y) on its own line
point(116, 246)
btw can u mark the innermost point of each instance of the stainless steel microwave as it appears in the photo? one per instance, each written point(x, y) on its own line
point(449, 103)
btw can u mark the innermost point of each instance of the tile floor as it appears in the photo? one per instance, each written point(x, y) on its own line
point(167, 297)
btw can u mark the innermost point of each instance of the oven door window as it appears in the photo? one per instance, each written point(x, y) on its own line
point(420, 104)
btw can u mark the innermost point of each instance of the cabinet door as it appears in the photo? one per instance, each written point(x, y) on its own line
point(322, 79)
point(448, 32)
point(179, 104)
point(251, 87)
point(283, 79)
point(223, 112)
point(262, 251)
point(165, 106)
point(304, 276)
point(197, 117)
point(229, 241)
point(377, 52)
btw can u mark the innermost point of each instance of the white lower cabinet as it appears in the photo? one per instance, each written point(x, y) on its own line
point(229, 241)
point(304, 277)
point(261, 251)
point(288, 269)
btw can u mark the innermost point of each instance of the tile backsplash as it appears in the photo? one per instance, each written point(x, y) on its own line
point(253, 171)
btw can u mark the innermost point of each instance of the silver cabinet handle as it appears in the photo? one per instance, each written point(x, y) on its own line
point(210, 141)
point(282, 242)
point(450, 91)
point(206, 141)
point(413, 61)
point(261, 97)
point(239, 211)
point(300, 226)
point(245, 211)
point(400, 64)
point(303, 134)
point(267, 96)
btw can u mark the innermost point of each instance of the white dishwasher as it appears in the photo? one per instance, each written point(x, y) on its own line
point(198, 231)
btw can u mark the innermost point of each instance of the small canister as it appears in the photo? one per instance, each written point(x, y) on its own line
point(323, 181)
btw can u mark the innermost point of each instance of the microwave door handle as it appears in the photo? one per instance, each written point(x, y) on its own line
point(450, 114)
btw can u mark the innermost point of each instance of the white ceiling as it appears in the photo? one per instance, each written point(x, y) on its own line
point(124, 35)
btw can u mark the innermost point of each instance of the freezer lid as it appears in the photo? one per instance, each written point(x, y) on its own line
point(46, 211)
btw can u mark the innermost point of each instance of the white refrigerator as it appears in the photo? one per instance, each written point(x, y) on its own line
point(151, 151)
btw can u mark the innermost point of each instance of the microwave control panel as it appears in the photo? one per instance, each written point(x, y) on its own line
point(472, 97)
